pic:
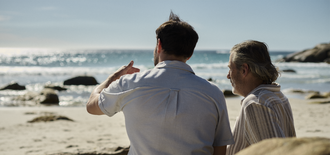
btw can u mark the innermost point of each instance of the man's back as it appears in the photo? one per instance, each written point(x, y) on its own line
point(169, 110)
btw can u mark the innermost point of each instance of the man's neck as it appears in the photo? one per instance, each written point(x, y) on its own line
point(250, 86)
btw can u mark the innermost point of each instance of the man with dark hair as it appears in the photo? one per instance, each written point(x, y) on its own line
point(265, 111)
point(168, 109)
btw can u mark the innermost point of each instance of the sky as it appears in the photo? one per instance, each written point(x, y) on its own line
point(285, 25)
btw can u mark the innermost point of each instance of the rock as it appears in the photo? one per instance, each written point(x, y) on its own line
point(59, 88)
point(48, 96)
point(297, 91)
point(209, 79)
point(289, 71)
point(13, 86)
point(313, 91)
point(81, 80)
point(49, 118)
point(315, 96)
point(228, 93)
point(289, 146)
point(104, 151)
point(320, 53)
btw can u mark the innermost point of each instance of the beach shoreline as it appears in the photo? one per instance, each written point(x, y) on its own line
point(102, 134)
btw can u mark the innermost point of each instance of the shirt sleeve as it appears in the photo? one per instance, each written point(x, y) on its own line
point(110, 103)
point(261, 123)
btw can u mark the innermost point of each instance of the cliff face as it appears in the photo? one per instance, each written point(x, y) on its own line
point(320, 53)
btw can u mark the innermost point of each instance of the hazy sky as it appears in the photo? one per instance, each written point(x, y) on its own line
point(131, 24)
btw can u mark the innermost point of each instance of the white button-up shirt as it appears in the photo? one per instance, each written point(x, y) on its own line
point(169, 110)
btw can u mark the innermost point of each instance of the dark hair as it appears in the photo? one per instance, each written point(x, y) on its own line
point(256, 55)
point(177, 37)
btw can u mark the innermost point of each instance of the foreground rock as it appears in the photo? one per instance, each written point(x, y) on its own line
point(105, 151)
point(13, 86)
point(320, 53)
point(289, 146)
point(81, 80)
point(49, 118)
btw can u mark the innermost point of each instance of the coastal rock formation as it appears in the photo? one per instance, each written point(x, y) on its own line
point(13, 86)
point(46, 96)
point(315, 96)
point(59, 88)
point(288, 71)
point(289, 146)
point(320, 53)
point(81, 80)
point(228, 93)
point(49, 118)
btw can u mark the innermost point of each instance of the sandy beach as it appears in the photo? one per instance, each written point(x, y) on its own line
point(107, 135)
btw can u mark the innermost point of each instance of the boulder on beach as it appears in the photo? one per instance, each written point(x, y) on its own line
point(49, 118)
point(288, 71)
point(315, 95)
point(320, 53)
point(289, 146)
point(81, 80)
point(13, 86)
point(46, 96)
point(59, 88)
point(228, 93)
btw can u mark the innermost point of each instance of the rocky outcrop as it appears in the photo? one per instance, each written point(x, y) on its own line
point(288, 71)
point(315, 95)
point(49, 118)
point(81, 80)
point(320, 53)
point(289, 146)
point(46, 96)
point(13, 86)
point(59, 88)
point(228, 93)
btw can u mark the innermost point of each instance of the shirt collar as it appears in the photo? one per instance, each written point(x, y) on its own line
point(274, 87)
point(174, 64)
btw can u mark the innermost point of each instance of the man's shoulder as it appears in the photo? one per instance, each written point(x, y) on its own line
point(265, 97)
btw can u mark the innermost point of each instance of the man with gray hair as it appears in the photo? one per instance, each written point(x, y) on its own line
point(265, 111)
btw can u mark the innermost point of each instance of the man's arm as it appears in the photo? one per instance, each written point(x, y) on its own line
point(219, 150)
point(92, 104)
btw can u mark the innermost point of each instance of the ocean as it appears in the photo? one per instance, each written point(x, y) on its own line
point(35, 68)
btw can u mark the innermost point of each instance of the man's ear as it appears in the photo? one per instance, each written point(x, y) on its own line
point(245, 69)
point(159, 46)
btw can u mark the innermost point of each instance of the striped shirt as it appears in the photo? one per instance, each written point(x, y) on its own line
point(265, 113)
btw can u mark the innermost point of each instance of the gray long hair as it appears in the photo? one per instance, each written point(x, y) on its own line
point(256, 55)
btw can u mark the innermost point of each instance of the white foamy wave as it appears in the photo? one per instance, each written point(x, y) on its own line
point(209, 66)
point(302, 65)
point(41, 71)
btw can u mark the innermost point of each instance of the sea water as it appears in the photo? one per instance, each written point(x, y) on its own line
point(35, 68)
